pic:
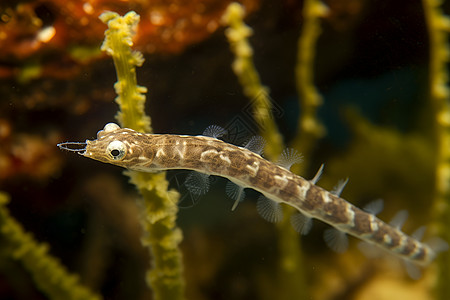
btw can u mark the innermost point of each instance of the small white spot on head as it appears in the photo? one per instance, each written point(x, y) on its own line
point(111, 127)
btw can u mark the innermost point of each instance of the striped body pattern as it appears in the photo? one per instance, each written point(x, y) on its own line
point(208, 155)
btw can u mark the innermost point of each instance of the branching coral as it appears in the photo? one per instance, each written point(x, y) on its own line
point(117, 43)
point(291, 278)
point(50, 276)
point(159, 204)
point(309, 128)
point(244, 68)
point(438, 28)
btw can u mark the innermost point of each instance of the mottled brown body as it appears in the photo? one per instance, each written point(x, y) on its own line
point(152, 152)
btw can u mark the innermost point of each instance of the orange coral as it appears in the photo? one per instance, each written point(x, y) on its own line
point(50, 31)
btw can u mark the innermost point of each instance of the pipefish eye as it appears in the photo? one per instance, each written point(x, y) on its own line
point(116, 150)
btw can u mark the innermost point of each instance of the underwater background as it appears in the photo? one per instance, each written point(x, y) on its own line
point(371, 67)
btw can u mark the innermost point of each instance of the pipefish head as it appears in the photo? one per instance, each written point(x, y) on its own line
point(118, 146)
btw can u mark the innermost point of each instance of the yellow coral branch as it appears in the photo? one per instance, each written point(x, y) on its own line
point(308, 131)
point(160, 205)
point(291, 281)
point(244, 68)
point(309, 127)
point(438, 28)
point(117, 43)
point(50, 276)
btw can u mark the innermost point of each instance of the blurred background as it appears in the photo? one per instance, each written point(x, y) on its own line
point(56, 85)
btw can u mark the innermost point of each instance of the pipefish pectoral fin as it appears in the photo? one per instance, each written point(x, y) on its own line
point(78, 147)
